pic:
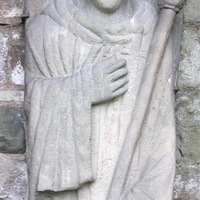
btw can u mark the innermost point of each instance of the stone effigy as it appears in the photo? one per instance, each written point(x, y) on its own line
point(86, 76)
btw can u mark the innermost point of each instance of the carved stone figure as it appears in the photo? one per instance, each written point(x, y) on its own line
point(86, 63)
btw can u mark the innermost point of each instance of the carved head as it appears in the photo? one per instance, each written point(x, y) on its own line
point(108, 6)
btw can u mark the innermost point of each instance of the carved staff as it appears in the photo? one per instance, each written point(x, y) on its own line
point(169, 8)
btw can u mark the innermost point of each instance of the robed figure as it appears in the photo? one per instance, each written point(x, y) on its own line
point(85, 63)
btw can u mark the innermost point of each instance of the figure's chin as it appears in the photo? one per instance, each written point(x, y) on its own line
point(107, 6)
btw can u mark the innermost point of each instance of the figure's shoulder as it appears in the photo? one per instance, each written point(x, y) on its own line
point(146, 15)
point(36, 23)
point(40, 25)
point(43, 21)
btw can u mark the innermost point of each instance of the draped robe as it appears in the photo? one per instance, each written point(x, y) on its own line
point(73, 146)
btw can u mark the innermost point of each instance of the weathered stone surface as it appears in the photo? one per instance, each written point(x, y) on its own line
point(13, 177)
point(17, 63)
point(188, 126)
point(11, 8)
point(35, 7)
point(187, 183)
point(12, 96)
point(149, 161)
point(191, 10)
point(3, 56)
point(189, 68)
point(188, 97)
point(13, 171)
point(11, 56)
point(188, 108)
point(10, 21)
point(12, 137)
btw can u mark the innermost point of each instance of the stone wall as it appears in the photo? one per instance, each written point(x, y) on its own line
point(13, 171)
point(187, 184)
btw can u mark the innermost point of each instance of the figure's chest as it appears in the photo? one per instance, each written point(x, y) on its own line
point(130, 50)
point(78, 49)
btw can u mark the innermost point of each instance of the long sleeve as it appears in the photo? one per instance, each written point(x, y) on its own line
point(59, 121)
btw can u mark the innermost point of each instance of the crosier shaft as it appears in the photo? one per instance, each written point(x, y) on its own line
point(154, 60)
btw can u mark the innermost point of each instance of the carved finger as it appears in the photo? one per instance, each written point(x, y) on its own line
point(118, 74)
point(120, 83)
point(117, 65)
point(120, 91)
point(92, 55)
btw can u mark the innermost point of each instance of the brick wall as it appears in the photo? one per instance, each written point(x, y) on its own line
point(187, 183)
point(13, 173)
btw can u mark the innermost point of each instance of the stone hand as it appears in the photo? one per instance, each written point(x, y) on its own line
point(173, 4)
point(109, 80)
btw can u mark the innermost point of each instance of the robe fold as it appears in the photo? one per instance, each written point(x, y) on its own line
point(60, 119)
point(73, 147)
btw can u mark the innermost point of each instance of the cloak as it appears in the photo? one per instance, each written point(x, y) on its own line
point(73, 146)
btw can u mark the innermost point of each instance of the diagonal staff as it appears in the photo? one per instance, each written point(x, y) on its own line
point(169, 8)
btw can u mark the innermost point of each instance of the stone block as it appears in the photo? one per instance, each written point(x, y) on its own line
point(3, 56)
point(13, 177)
point(12, 134)
point(17, 63)
point(189, 67)
point(188, 98)
point(188, 127)
point(12, 96)
point(11, 8)
point(191, 11)
point(187, 183)
point(11, 56)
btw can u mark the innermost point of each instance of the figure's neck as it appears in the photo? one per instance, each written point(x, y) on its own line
point(124, 13)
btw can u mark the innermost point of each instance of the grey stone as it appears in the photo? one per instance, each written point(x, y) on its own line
point(191, 12)
point(188, 97)
point(189, 67)
point(13, 177)
point(35, 7)
point(3, 56)
point(12, 134)
point(188, 126)
point(11, 8)
point(187, 183)
point(188, 108)
point(83, 113)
